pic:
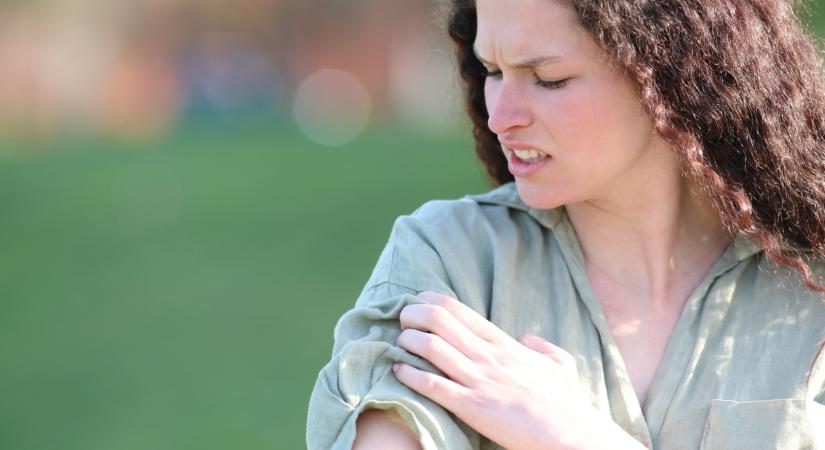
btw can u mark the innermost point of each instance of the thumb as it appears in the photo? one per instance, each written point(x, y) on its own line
point(538, 344)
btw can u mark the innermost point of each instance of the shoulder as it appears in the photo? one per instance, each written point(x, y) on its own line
point(458, 238)
point(771, 277)
point(766, 291)
point(458, 225)
point(773, 302)
point(475, 225)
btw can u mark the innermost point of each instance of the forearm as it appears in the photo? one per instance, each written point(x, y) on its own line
point(378, 429)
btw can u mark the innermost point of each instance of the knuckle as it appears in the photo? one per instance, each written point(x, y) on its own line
point(429, 382)
point(477, 401)
point(491, 359)
point(436, 314)
point(433, 345)
point(444, 300)
point(454, 308)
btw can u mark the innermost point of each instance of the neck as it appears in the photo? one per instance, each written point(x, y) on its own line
point(652, 239)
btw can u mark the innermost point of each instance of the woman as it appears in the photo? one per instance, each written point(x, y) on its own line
point(655, 243)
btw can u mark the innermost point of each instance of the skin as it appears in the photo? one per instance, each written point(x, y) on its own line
point(379, 429)
point(647, 235)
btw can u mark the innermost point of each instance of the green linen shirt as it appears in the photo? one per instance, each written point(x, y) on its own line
point(743, 369)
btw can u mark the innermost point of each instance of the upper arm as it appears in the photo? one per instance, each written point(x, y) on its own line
point(359, 377)
point(379, 429)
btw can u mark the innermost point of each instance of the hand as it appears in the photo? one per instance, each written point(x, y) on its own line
point(521, 394)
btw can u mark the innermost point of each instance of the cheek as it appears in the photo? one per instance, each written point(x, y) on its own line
point(625, 120)
point(573, 119)
point(586, 121)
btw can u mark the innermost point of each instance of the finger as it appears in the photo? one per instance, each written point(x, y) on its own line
point(538, 344)
point(446, 393)
point(440, 353)
point(480, 326)
point(547, 348)
point(438, 320)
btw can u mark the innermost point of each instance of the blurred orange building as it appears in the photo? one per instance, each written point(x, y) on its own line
point(136, 69)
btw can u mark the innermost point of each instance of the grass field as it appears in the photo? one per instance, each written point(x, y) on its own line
point(183, 295)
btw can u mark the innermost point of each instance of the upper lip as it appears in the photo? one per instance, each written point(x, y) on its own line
point(514, 145)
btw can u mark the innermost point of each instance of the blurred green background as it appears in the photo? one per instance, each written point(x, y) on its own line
point(171, 276)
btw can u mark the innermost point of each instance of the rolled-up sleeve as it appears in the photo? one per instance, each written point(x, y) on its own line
point(359, 375)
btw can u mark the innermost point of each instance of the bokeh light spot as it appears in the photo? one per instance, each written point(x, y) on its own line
point(332, 107)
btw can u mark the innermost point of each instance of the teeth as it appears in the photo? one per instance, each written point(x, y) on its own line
point(529, 155)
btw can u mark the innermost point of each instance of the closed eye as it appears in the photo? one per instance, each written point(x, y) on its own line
point(547, 84)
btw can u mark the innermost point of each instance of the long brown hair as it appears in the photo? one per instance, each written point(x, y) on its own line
point(734, 86)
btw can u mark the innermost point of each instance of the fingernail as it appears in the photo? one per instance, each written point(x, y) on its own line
point(395, 367)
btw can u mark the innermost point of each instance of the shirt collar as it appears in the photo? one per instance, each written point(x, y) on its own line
point(507, 195)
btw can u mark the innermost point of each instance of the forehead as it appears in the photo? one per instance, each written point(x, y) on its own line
point(515, 27)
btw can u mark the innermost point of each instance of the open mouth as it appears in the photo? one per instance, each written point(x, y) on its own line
point(525, 156)
point(525, 163)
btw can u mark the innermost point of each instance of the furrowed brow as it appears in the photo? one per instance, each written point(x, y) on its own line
point(529, 63)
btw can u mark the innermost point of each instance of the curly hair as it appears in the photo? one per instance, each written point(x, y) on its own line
point(734, 86)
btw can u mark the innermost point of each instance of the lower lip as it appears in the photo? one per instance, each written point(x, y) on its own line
point(520, 168)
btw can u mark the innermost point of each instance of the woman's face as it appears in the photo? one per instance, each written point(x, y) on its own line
point(591, 128)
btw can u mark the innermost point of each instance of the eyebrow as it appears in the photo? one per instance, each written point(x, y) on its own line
point(529, 63)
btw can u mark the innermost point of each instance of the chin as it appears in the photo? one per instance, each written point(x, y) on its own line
point(540, 195)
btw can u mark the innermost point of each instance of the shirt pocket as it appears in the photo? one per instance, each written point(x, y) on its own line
point(787, 424)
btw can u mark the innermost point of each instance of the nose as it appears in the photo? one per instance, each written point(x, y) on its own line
point(507, 106)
